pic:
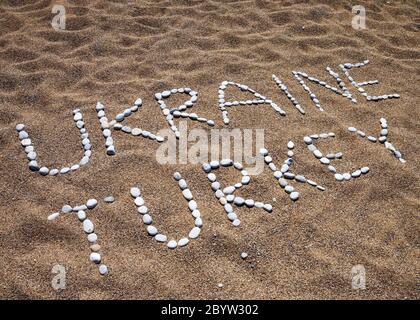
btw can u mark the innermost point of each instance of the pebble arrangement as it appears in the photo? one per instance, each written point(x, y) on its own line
point(260, 99)
point(179, 112)
point(383, 138)
point(31, 154)
point(106, 126)
point(326, 159)
point(302, 75)
point(226, 195)
point(283, 88)
point(88, 228)
point(359, 85)
point(147, 218)
point(283, 174)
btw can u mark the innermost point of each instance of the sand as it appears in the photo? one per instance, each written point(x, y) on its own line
point(115, 52)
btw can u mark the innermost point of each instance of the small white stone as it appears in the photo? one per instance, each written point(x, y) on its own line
point(324, 160)
point(23, 135)
point(91, 203)
point(284, 168)
point(192, 205)
point(268, 207)
point(139, 201)
point(311, 147)
point(109, 199)
point(307, 140)
point(136, 132)
point(364, 170)
point(172, 244)
point(166, 94)
point(142, 210)
point(194, 233)
point(78, 116)
point(318, 154)
point(259, 205)
point(88, 226)
point(177, 176)
point(135, 192)
point(228, 207)
point(214, 164)
point(239, 201)
point(183, 184)
point(53, 216)
point(229, 190)
point(95, 257)
point(103, 269)
point(347, 176)
point(187, 194)
point(372, 139)
point(66, 209)
point(290, 145)
point(289, 189)
point(81, 214)
point(99, 106)
point(147, 219)
point(249, 203)
point(138, 102)
point(183, 242)
point(339, 177)
point(44, 171)
point(245, 180)
point(236, 223)
point(92, 237)
point(26, 142)
point(226, 162)
point(230, 198)
point(198, 222)
point(232, 216)
point(294, 195)
point(352, 129)
point(196, 213)
point(263, 152)
point(151, 230)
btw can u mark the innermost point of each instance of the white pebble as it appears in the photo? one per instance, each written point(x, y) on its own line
point(103, 269)
point(53, 216)
point(172, 244)
point(294, 195)
point(88, 226)
point(194, 233)
point(151, 230)
point(364, 170)
point(95, 257)
point(91, 203)
point(92, 237)
point(135, 192)
point(183, 242)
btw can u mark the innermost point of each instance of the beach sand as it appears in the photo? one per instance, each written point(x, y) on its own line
point(115, 52)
